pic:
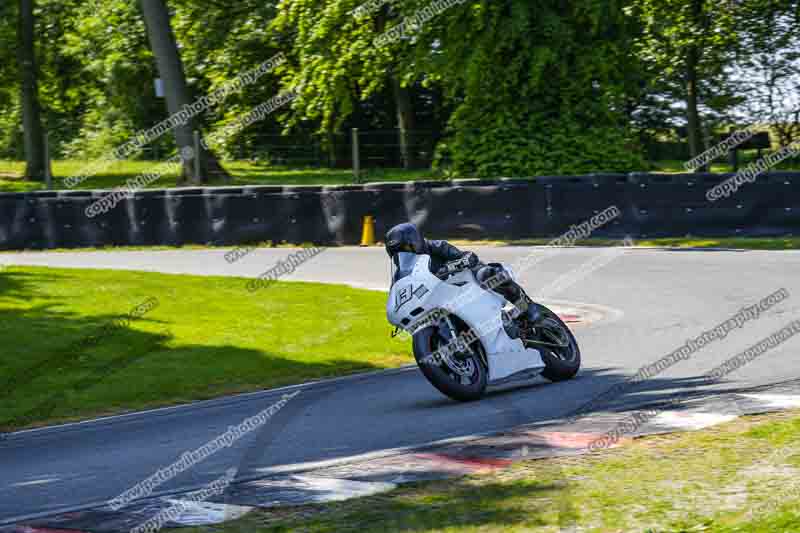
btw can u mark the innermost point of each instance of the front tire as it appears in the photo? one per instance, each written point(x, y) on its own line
point(463, 388)
point(560, 363)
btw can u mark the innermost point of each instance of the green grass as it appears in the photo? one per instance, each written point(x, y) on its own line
point(675, 166)
point(721, 165)
point(733, 243)
point(208, 337)
point(243, 173)
point(721, 480)
point(737, 243)
point(249, 173)
point(165, 248)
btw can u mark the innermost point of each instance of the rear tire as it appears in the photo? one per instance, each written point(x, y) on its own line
point(425, 342)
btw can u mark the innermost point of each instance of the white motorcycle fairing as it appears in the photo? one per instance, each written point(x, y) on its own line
point(416, 295)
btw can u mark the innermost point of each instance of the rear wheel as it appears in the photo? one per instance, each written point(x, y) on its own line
point(462, 376)
point(556, 344)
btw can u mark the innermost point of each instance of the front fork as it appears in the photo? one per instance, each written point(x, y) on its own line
point(462, 347)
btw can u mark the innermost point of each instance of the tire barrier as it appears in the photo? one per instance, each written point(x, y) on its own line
point(300, 209)
point(185, 220)
point(651, 205)
point(570, 200)
point(475, 210)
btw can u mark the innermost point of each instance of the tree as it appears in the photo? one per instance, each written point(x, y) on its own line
point(31, 115)
point(768, 67)
point(170, 67)
point(532, 86)
point(539, 87)
point(404, 107)
point(10, 93)
point(688, 45)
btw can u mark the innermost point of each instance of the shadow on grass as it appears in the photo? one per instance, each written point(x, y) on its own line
point(58, 365)
point(448, 505)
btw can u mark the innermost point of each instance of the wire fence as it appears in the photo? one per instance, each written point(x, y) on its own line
point(365, 152)
point(358, 150)
point(363, 149)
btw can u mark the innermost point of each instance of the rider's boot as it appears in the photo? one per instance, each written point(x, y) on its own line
point(528, 307)
point(515, 294)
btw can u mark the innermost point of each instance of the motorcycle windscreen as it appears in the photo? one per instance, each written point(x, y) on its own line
point(402, 265)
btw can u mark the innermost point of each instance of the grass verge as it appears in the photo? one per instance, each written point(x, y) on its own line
point(733, 243)
point(245, 172)
point(739, 477)
point(66, 355)
point(242, 173)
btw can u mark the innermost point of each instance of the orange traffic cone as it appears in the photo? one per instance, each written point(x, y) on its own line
point(368, 233)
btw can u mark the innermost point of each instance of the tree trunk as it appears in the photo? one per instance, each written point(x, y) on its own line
point(405, 121)
point(31, 113)
point(330, 143)
point(402, 99)
point(176, 90)
point(694, 126)
point(692, 114)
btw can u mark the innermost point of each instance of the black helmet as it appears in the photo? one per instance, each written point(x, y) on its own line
point(404, 238)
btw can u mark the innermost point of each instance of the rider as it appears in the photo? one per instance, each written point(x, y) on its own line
point(407, 238)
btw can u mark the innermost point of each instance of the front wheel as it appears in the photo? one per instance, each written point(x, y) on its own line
point(461, 376)
point(556, 344)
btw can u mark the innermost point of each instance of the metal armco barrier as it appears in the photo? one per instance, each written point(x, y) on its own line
point(651, 205)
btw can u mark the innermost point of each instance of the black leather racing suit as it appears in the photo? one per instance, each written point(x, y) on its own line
point(442, 252)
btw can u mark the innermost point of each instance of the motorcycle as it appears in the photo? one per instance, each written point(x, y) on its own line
point(466, 337)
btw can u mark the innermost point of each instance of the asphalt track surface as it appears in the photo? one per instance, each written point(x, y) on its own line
point(656, 300)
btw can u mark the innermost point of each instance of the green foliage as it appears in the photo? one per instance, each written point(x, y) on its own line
point(10, 113)
point(534, 87)
point(217, 45)
point(537, 145)
point(96, 82)
point(670, 31)
point(543, 90)
point(511, 87)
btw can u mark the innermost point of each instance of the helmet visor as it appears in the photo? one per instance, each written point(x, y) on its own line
point(402, 264)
